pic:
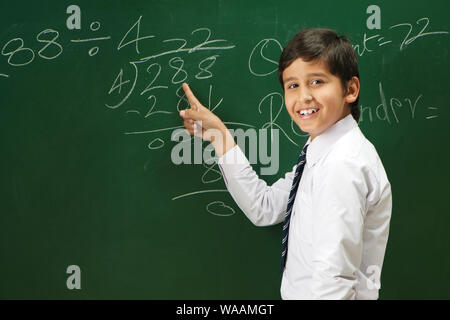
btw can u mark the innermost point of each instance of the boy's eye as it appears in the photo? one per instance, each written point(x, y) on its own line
point(292, 85)
point(317, 81)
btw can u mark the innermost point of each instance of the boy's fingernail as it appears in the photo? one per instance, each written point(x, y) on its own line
point(182, 113)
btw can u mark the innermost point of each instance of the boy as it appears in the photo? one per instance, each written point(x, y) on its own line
point(336, 202)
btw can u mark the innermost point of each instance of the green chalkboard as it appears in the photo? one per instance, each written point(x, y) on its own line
point(86, 123)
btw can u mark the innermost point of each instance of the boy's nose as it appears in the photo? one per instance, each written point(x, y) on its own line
point(304, 96)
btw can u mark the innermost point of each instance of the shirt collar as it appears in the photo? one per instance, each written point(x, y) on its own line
point(323, 142)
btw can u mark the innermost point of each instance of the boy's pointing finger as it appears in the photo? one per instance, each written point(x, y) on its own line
point(194, 103)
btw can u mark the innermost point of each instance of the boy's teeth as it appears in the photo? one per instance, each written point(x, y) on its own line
point(309, 111)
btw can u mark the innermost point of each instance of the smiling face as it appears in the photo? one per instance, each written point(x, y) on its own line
point(310, 87)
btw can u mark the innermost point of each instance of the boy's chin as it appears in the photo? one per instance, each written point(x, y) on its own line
point(304, 129)
point(309, 131)
point(307, 128)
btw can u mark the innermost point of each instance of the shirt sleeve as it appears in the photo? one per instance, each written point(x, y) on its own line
point(338, 201)
point(264, 205)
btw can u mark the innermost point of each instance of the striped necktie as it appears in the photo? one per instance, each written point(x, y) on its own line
point(295, 183)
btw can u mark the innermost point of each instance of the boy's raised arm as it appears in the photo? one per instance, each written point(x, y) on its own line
point(264, 205)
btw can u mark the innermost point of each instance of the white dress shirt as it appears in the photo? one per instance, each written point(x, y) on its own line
point(340, 218)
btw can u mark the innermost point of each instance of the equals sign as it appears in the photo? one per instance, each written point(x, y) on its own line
point(433, 116)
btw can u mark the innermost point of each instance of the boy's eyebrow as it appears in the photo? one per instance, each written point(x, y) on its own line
point(289, 79)
point(316, 74)
point(313, 74)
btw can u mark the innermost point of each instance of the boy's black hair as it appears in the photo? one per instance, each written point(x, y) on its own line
point(324, 44)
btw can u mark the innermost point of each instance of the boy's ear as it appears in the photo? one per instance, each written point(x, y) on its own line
point(352, 90)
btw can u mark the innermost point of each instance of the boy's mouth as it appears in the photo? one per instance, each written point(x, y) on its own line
point(308, 113)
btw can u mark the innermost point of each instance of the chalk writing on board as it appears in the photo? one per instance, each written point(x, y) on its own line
point(179, 74)
point(199, 47)
point(156, 143)
point(49, 42)
point(19, 54)
point(154, 130)
point(257, 57)
point(95, 26)
point(411, 35)
point(208, 177)
point(408, 38)
point(210, 105)
point(219, 208)
point(137, 26)
point(198, 192)
point(428, 117)
point(272, 122)
point(183, 103)
point(149, 68)
point(391, 109)
point(16, 46)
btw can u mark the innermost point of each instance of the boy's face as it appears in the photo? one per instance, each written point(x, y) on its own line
point(309, 85)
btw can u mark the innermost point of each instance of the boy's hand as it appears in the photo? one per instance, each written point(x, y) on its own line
point(208, 125)
point(201, 122)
